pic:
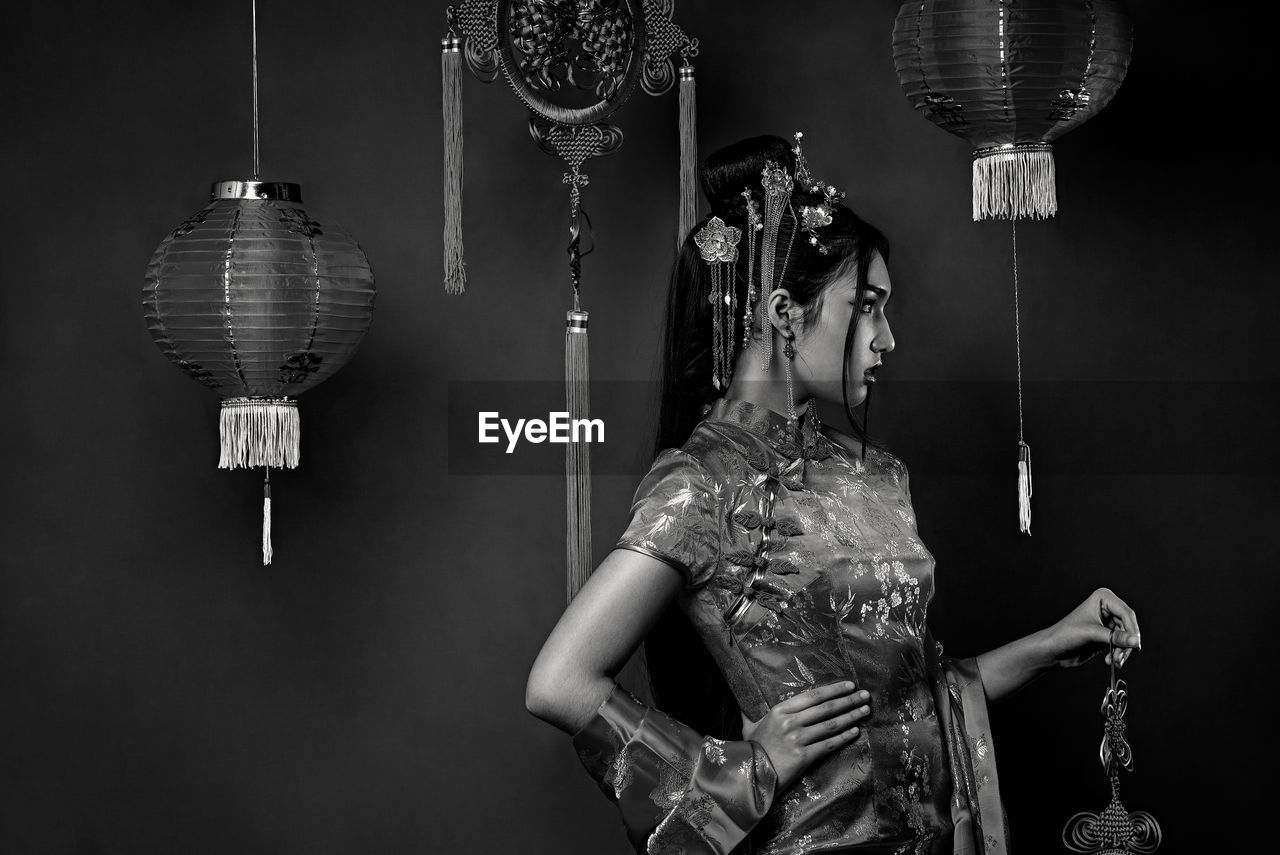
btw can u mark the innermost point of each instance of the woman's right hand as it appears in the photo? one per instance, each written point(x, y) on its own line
point(807, 727)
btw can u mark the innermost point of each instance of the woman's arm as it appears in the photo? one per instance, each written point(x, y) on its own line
point(674, 787)
point(601, 628)
point(1100, 622)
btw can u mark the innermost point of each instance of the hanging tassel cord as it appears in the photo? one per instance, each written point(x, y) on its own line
point(578, 404)
point(266, 517)
point(688, 151)
point(254, 20)
point(455, 272)
point(1024, 450)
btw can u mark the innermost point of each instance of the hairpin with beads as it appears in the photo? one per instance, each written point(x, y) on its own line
point(754, 224)
point(776, 182)
point(718, 245)
point(814, 217)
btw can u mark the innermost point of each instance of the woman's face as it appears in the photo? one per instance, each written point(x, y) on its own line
point(819, 344)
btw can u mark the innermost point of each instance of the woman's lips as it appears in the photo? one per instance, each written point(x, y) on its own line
point(870, 374)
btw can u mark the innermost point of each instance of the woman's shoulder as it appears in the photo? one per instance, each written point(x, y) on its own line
point(710, 455)
point(887, 464)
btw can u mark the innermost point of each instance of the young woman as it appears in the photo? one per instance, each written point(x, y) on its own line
point(773, 568)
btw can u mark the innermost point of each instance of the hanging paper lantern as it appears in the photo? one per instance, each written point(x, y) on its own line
point(258, 300)
point(1011, 76)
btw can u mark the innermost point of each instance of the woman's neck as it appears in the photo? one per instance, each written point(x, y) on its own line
point(764, 387)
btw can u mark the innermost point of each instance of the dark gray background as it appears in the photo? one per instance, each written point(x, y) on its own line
point(163, 692)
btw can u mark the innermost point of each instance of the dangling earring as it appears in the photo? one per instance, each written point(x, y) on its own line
point(866, 422)
point(793, 423)
point(811, 415)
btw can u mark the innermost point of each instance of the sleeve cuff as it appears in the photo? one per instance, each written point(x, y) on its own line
point(673, 786)
point(675, 565)
point(977, 809)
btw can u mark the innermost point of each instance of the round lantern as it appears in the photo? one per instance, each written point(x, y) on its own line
point(1011, 76)
point(258, 300)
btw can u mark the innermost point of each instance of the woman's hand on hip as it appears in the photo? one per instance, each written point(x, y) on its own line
point(1099, 623)
point(807, 727)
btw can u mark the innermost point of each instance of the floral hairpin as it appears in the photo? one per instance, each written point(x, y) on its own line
point(814, 217)
point(718, 245)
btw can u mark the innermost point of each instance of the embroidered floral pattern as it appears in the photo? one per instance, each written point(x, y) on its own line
point(714, 749)
point(806, 570)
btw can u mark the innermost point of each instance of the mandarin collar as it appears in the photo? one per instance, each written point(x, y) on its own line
point(772, 426)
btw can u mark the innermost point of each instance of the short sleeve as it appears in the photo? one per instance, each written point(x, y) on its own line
point(676, 516)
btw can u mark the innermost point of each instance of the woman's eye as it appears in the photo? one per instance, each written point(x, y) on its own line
point(869, 306)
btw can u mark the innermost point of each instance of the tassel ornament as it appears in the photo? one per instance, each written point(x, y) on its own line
point(688, 153)
point(266, 519)
point(577, 454)
point(1014, 182)
point(1024, 488)
point(455, 272)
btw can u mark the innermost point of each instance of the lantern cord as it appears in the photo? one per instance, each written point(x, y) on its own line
point(255, 91)
point(266, 517)
point(1024, 450)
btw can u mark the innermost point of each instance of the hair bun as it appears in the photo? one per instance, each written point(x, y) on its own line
point(729, 170)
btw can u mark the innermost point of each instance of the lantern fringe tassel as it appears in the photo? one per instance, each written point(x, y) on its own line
point(257, 432)
point(455, 271)
point(577, 456)
point(1014, 183)
point(688, 153)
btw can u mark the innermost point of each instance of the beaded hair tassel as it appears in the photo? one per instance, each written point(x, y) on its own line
point(753, 225)
point(814, 217)
point(718, 245)
point(777, 197)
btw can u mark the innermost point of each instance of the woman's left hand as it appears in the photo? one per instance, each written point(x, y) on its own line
point(1099, 623)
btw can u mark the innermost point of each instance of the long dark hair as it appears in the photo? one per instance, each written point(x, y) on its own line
point(685, 680)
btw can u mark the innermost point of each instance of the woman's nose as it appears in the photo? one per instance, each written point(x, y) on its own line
point(883, 341)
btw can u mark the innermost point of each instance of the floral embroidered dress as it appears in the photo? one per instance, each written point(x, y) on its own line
point(803, 567)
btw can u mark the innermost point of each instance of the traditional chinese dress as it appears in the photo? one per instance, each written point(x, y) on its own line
point(802, 567)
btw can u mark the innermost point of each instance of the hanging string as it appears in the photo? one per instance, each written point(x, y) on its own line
point(255, 90)
point(1024, 450)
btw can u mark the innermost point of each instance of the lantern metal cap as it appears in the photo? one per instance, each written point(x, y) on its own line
point(1009, 148)
point(276, 190)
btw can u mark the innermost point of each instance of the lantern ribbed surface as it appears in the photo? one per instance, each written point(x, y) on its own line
point(1011, 76)
point(259, 301)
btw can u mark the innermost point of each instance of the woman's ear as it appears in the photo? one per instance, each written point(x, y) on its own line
point(780, 309)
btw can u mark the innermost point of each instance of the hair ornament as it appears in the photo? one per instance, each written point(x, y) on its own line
point(814, 217)
point(754, 224)
point(718, 245)
point(776, 182)
point(718, 242)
